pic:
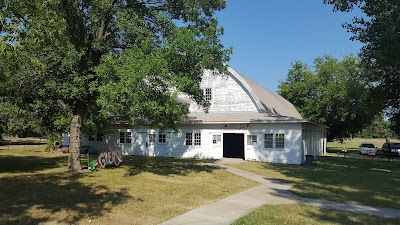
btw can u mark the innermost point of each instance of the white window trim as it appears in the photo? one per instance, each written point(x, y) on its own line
point(158, 139)
point(211, 94)
point(186, 139)
point(252, 143)
point(273, 141)
point(196, 139)
point(125, 136)
point(120, 136)
point(284, 141)
point(220, 141)
point(148, 138)
point(194, 132)
point(274, 138)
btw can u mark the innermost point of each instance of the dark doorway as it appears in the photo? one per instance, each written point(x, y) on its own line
point(233, 146)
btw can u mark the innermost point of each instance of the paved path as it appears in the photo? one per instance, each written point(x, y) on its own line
point(229, 209)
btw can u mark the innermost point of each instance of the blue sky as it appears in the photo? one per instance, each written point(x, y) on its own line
point(268, 35)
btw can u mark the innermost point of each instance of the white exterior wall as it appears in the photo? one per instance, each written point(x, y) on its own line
point(313, 140)
point(175, 143)
point(227, 95)
point(290, 154)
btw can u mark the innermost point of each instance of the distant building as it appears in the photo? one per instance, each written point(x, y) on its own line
point(245, 121)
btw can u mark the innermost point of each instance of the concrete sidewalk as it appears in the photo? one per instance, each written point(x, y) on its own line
point(229, 209)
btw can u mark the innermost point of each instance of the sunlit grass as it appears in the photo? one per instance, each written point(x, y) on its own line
point(352, 146)
point(36, 189)
point(356, 142)
point(300, 214)
point(349, 180)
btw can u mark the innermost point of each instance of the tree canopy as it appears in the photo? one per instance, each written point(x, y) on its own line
point(379, 30)
point(88, 60)
point(379, 128)
point(334, 94)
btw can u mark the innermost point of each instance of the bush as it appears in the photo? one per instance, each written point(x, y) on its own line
point(54, 141)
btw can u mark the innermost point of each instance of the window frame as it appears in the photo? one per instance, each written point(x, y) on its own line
point(278, 142)
point(216, 139)
point(197, 139)
point(99, 137)
point(162, 138)
point(269, 141)
point(193, 138)
point(151, 138)
point(122, 135)
point(208, 94)
point(189, 138)
point(91, 138)
point(251, 141)
point(125, 137)
point(128, 137)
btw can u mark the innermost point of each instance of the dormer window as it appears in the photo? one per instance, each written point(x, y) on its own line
point(208, 94)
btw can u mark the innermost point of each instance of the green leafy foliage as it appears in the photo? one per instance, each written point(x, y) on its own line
point(96, 60)
point(334, 94)
point(379, 29)
point(379, 128)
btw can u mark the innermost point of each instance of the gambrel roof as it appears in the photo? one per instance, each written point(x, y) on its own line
point(265, 100)
point(240, 99)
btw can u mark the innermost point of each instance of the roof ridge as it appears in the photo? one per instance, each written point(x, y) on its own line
point(261, 96)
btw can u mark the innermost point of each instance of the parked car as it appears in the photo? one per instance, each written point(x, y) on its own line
point(391, 148)
point(367, 148)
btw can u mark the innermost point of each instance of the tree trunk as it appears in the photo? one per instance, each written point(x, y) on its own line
point(74, 159)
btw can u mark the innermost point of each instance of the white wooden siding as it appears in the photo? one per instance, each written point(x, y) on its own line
point(175, 143)
point(227, 95)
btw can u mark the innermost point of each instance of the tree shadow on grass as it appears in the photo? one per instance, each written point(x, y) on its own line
point(18, 164)
point(300, 214)
point(166, 166)
point(56, 198)
point(349, 180)
point(22, 142)
point(332, 217)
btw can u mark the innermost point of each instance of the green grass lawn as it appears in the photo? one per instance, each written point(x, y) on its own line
point(352, 146)
point(35, 189)
point(356, 142)
point(300, 214)
point(349, 180)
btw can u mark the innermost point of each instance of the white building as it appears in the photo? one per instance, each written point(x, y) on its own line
point(245, 121)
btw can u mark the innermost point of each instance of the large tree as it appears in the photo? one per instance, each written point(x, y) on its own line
point(334, 94)
point(101, 59)
point(379, 128)
point(379, 29)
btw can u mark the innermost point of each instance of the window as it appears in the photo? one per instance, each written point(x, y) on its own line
point(251, 139)
point(216, 139)
point(152, 138)
point(125, 137)
point(91, 137)
point(280, 141)
point(121, 137)
point(99, 137)
point(208, 94)
point(128, 137)
point(268, 141)
point(197, 139)
point(189, 140)
point(161, 138)
point(193, 139)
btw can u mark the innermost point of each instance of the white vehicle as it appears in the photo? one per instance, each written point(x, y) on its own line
point(367, 148)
